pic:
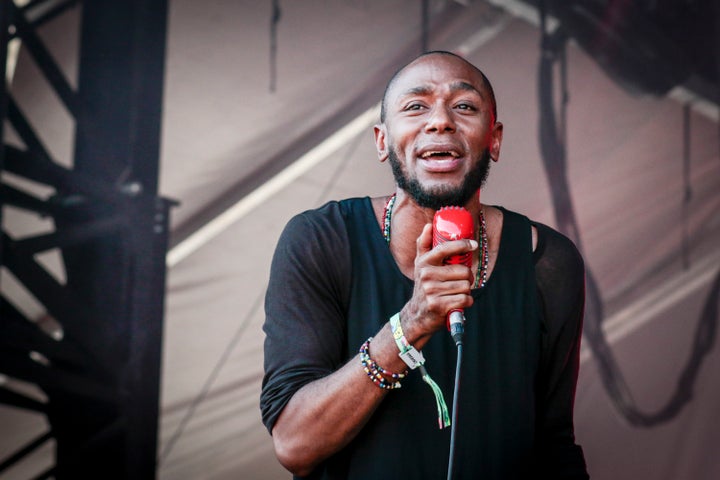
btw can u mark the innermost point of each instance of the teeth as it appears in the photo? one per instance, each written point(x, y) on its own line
point(440, 154)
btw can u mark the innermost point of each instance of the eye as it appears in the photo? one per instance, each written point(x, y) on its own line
point(414, 106)
point(466, 106)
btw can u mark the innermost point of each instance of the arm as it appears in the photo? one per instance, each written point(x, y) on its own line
point(324, 407)
point(560, 278)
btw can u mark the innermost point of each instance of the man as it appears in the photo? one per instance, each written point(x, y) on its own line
point(355, 283)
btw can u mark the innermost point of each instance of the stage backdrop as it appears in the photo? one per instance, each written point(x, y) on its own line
point(638, 190)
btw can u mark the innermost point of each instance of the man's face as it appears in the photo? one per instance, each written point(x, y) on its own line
point(439, 131)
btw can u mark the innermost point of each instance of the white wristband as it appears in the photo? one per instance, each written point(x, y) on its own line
point(412, 357)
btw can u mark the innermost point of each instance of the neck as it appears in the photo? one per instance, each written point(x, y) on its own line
point(408, 221)
point(409, 215)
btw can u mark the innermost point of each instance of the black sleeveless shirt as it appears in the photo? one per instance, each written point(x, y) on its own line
point(334, 283)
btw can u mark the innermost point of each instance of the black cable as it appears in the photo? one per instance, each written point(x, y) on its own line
point(274, 20)
point(424, 25)
point(453, 427)
point(687, 184)
point(554, 157)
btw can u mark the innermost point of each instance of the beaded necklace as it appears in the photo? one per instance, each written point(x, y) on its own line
point(481, 274)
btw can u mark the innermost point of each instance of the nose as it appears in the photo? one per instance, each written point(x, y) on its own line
point(440, 120)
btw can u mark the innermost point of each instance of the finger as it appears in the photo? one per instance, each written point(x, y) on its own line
point(439, 274)
point(463, 286)
point(424, 241)
point(453, 247)
point(458, 300)
point(442, 304)
point(449, 288)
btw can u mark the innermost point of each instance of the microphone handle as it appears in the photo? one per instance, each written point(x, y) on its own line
point(456, 323)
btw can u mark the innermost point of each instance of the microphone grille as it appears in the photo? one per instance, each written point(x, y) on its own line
point(452, 223)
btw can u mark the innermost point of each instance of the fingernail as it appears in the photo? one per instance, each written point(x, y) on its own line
point(473, 244)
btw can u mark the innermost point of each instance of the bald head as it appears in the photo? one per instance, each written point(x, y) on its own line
point(487, 90)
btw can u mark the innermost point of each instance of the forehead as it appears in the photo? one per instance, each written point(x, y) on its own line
point(436, 72)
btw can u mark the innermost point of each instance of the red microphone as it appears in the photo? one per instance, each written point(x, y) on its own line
point(454, 223)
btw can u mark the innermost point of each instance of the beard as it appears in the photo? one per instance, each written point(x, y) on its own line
point(443, 195)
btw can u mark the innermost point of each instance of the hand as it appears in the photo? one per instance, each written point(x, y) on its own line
point(438, 288)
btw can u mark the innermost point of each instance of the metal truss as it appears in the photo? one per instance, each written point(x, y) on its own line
point(96, 356)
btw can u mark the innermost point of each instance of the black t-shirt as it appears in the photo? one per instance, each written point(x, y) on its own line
point(334, 283)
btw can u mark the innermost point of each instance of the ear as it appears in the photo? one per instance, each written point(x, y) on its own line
point(380, 141)
point(496, 136)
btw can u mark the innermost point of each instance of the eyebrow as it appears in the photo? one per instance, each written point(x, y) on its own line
point(454, 87)
point(465, 86)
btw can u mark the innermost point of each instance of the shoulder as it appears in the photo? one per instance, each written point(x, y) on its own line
point(324, 225)
point(556, 252)
point(318, 240)
point(560, 277)
point(331, 213)
point(312, 257)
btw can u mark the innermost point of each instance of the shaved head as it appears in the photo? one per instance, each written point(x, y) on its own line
point(487, 87)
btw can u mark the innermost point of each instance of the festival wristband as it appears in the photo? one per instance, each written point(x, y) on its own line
point(412, 357)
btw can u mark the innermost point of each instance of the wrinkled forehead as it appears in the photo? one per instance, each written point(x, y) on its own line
point(436, 71)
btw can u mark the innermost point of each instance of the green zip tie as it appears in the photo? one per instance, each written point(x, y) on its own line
point(415, 359)
point(443, 415)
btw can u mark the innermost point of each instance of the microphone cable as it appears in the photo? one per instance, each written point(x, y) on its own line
point(456, 330)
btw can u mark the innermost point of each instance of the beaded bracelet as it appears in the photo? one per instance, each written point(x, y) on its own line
point(376, 373)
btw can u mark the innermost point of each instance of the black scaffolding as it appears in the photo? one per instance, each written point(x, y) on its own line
point(96, 355)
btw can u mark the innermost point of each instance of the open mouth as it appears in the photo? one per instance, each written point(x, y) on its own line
point(439, 155)
point(440, 161)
